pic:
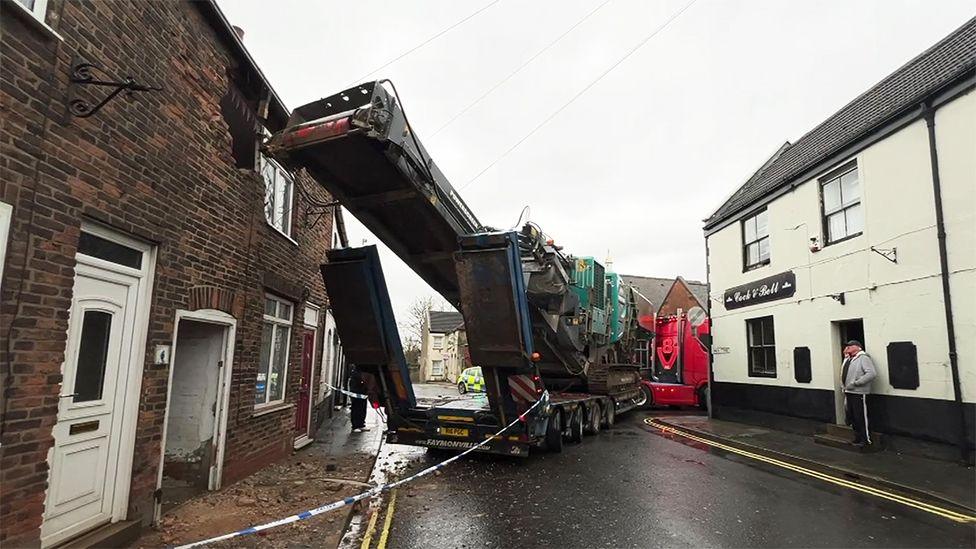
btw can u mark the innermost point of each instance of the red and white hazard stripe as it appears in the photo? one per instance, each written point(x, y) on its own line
point(523, 388)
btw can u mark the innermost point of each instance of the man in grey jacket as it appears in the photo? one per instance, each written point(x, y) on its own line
point(858, 373)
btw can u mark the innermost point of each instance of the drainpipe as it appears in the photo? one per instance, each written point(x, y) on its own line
point(711, 332)
point(929, 114)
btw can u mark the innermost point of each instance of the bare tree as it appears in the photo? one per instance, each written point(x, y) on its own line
point(412, 329)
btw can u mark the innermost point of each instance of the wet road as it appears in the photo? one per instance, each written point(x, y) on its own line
point(632, 487)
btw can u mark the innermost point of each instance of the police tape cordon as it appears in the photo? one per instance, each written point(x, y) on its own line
point(367, 494)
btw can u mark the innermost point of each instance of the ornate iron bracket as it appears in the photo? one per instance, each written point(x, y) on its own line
point(319, 211)
point(889, 254)
point(81, 74)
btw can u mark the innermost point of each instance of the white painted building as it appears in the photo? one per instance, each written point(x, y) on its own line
point(837, 237)
point(441, 353)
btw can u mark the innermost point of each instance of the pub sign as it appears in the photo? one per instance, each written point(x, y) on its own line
point(771, 288)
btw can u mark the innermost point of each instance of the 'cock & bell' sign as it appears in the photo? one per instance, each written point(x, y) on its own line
point(771, 288)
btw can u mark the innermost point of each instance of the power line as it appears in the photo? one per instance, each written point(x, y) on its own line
point(518, 69)
point(422, 44)
point(580, 93)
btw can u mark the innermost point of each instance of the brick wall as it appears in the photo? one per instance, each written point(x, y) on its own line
point(157, 166)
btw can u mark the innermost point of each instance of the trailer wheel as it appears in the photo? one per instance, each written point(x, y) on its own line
point(611, 416)
point(576, 426)
point(593, 418)
point(554, 432)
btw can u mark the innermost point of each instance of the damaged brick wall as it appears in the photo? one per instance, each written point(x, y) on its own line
point(157, 166)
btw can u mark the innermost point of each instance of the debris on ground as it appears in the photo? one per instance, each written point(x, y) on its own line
point(303, 481)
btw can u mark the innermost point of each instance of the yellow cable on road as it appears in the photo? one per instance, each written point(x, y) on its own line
point(910, 502)
point(387, 522)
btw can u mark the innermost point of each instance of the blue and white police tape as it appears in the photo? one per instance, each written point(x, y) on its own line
point(360, 396)
point(367, 494)
point(345, 392)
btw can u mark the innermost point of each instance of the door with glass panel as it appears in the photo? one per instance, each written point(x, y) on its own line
point(98, 357)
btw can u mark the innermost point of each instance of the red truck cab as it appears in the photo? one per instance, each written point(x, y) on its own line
point(678, 374)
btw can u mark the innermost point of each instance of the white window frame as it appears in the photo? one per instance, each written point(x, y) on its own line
point(38, 10)
point(765, 346)
point(438, 342)
point(274, 175)
point(757, 239)
point(6, 215)
point(433, 368)
point(844, 205)
point(275, 322)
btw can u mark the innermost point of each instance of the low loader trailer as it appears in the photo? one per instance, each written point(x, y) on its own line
point(364, 317)
point(542, 324)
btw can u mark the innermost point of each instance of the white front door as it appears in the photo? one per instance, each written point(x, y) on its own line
point(84, 462)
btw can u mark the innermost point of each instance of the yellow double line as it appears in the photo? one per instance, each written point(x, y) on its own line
point(890, 496)
point(387, 522)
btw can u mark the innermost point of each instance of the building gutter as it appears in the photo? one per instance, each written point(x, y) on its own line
point(928, 113)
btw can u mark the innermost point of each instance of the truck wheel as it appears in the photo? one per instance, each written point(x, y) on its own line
point(611, 416)
point(576, 426)
point(554, 432)
point(593, 418)
point(646, 399)
point(462, 388)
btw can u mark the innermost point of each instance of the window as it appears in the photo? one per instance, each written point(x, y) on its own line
point(38, 8)
point(641, 353)
point(437, 368)
point(270, 384)
point(762, 347)
point(278, 186)
point(96, 328)
point(6, 214)
point(438, 342)
point(755, 240)
point(96, 246)
point(843, 216)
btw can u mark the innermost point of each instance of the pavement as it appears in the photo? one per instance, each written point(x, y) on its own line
point(336, 465)
point(335, 437)
point(934, 480)
point(636, 486)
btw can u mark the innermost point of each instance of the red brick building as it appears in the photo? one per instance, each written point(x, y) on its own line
point(162, 312)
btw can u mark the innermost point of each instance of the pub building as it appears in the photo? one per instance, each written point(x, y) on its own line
point(863, 229)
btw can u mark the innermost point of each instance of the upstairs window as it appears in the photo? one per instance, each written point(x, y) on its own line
point(843, 216)
point(755, 241)
point(37, 8)
point(278, 187)
point(438, 342)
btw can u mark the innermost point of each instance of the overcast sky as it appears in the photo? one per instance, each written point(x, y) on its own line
point(634, 164)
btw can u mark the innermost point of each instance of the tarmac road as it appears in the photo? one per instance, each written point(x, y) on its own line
point(634, 487)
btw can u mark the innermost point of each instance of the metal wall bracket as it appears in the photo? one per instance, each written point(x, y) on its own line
point(81, 74)
point(318, 211)
point(891, 254)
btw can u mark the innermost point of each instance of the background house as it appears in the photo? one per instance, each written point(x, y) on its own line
point(667, 295)
point(862, 229)
point(442, 346)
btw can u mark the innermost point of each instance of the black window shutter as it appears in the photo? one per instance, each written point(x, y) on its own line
point(801, 364)
point(903, 365)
